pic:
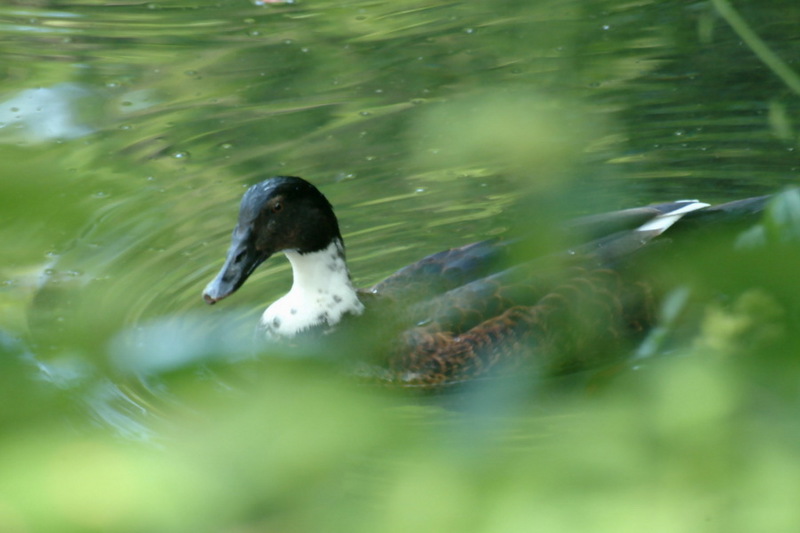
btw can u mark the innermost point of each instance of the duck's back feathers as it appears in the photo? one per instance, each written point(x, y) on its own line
point(443, 271)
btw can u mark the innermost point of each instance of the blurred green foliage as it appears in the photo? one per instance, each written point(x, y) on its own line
point(442, 122)
point(686, 443)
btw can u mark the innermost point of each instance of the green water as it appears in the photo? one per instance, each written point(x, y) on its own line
point(128, 132)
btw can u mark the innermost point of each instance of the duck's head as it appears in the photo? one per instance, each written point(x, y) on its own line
point(281, 213)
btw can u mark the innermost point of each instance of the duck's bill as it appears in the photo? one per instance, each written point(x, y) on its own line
point(242, 260)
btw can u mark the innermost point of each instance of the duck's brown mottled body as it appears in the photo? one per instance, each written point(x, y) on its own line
point(578, 324)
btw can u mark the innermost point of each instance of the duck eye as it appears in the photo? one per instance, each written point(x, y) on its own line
point(277, 207)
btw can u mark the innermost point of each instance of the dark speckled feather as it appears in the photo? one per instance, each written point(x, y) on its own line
point(576, 324)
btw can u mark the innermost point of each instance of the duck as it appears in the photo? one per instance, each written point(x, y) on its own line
point(472, 311)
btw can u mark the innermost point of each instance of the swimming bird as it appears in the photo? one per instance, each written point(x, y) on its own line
point(469, 311)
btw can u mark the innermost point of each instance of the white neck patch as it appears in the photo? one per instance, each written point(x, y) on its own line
point(321, 293)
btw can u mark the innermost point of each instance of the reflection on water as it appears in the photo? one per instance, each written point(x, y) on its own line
point(142, 124)
point(45, 114)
